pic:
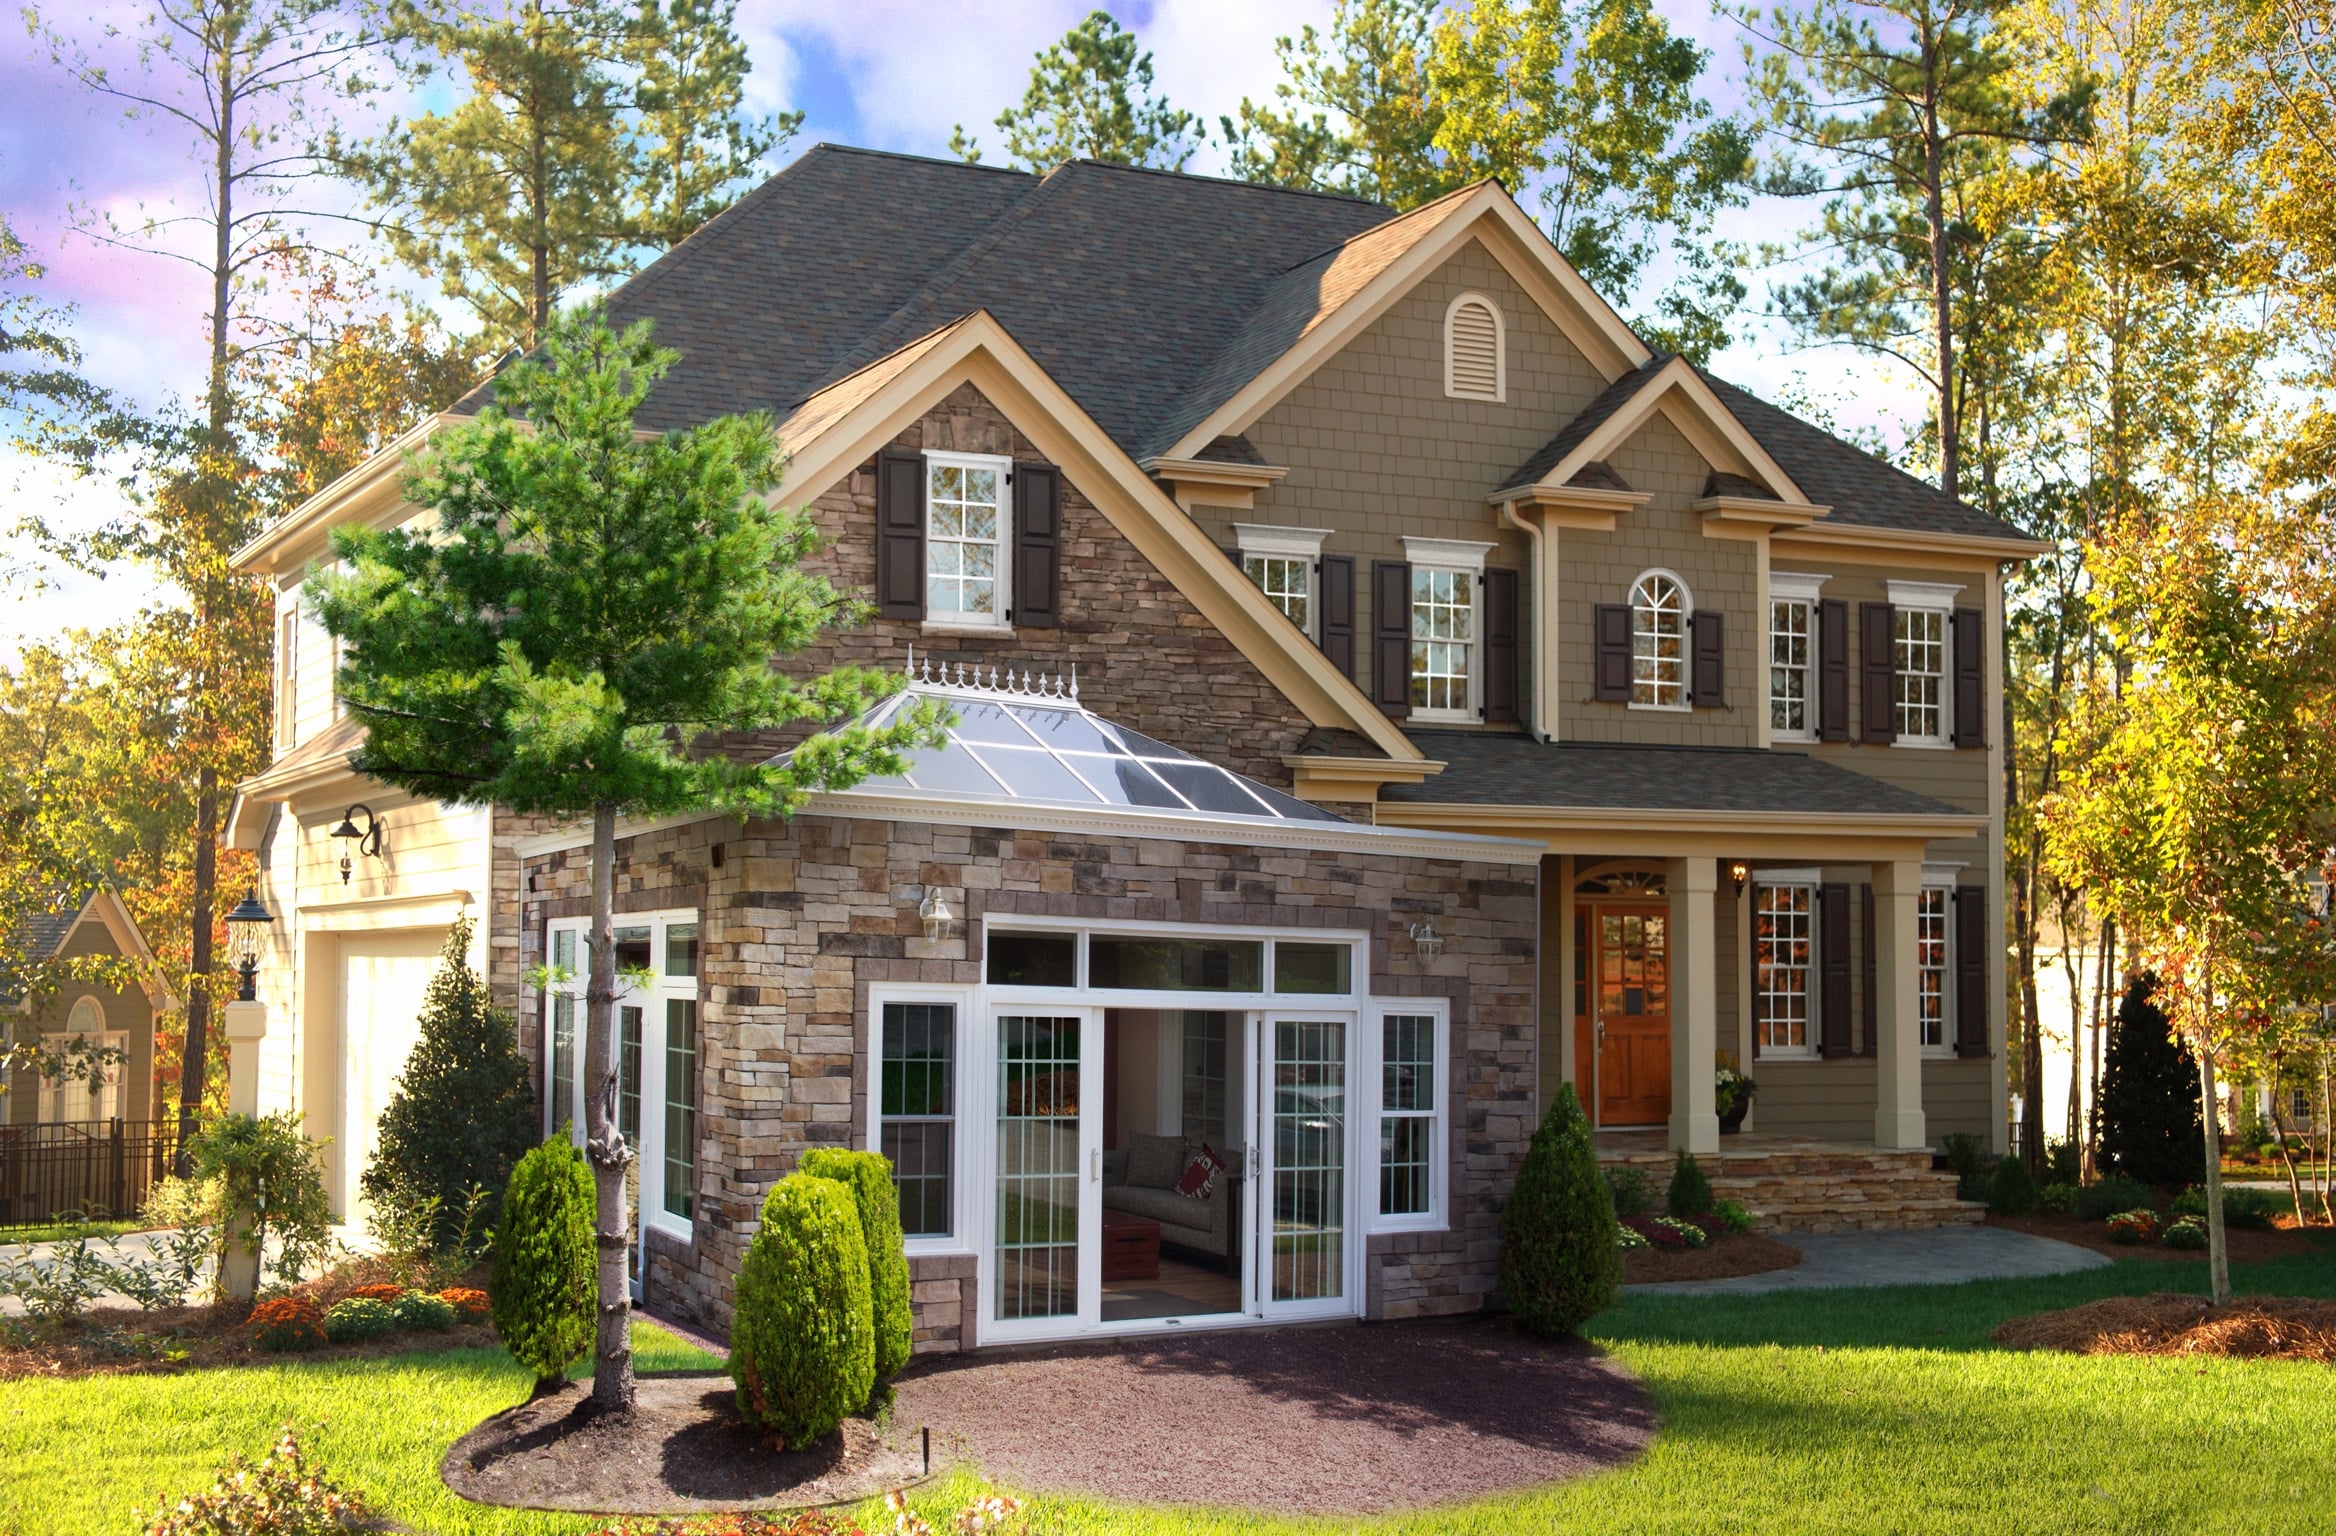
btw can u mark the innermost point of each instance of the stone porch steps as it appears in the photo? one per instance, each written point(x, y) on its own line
point(1815, 1187)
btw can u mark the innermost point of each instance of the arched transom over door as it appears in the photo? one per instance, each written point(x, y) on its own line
point(1622, 1023)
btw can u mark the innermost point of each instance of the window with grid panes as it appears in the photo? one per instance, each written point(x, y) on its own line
point(1930, 965)
point(1287, 582)
point(965, 519)
point(1443, 640)
point(1407, 1114)
point(1791, 655)
point(1783, 930)
point(917, 1111)
point(1658, 642)
point(1922, 674)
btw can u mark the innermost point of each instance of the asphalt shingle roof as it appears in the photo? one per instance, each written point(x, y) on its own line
point(1594, 415)
point(1501, 768)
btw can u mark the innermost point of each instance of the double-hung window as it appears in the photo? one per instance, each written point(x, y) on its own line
point(914, 1109)
point(966, 517)
point(1784, 966)
point(288, 676)
point(1792, 656)
point(1659, 609)
point(1931, 929)
point(1412, 1084)
point(1921, 654)
point(1446, 657)
point(1281, 562)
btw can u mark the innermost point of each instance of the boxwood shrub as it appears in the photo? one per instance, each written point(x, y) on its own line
point(2011, 1189)
point(1560, 1262)
point(803, 1338)
point(2099, 1202)
point(1689, 1196)
point(869, 1176)
point(543, 1289)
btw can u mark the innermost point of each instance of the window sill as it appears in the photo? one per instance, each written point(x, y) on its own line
point(1444, 717)
point(1791, 738)
point(1661, 709)
point(1388, 1226)
point(935, 1248)
point(1923, 743)
point(1785, 1053)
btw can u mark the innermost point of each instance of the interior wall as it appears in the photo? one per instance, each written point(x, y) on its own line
point(1135, 1088)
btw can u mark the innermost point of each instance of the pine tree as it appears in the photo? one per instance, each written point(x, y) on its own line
point(2148, 1115)
point(1091, 98)
point(698, 144)
point(463, 1114)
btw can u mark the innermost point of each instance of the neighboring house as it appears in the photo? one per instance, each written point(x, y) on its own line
point(1442, 654)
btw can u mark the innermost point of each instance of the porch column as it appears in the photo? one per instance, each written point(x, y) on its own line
point(1695, 1002)
point(1898, 1117)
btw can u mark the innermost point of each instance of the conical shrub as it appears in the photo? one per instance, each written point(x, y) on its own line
point(1689, 1196)
point(2011, 1190)
point(544, 1285)
point(803, 1340)
point(869, 1174)
point(1561, 1258)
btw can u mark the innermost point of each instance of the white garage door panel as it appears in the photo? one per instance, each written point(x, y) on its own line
point(383, 977)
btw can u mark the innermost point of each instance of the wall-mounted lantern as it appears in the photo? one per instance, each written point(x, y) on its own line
point(936, 914)
point(1426, 940)
point(1741, 873)
point(366, 842)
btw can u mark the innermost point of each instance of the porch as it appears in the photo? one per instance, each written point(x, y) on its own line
point(1804, 1184)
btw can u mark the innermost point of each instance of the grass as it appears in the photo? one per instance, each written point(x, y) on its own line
point(66, 1231)
point(1877, 1410)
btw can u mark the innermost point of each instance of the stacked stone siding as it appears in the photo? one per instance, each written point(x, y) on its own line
point(801, 918)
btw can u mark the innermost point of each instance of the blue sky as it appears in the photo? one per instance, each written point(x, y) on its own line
point(891, 74)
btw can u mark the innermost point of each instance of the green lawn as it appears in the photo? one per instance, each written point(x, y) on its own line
point(1881, 1410)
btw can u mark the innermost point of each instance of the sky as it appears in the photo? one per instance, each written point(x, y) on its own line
point(887, 74)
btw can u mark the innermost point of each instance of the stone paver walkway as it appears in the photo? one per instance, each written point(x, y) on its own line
point(1929, 1256)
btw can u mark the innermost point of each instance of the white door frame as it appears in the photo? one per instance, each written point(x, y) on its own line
point(1353, 1235)
point(982, 1100)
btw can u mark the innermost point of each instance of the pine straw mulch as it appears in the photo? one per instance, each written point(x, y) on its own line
point(2250, 1328)
point(2247, 1246)
point(1722, 1258)
point(123, 1341)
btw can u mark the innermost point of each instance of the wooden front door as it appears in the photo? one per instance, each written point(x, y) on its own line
point(1630, 1001)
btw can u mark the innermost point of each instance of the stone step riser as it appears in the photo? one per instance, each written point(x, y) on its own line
point(1826, 1192)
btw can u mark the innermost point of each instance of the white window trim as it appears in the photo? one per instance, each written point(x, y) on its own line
point(1810, 879)
point(959, 1243)
point(1928, 597)
point(1265, 541)
point(1437, 1217)
point(1500, 350)
point(287, 671)
point(1464, 557)
point(1797, 587)
point(1686, 704)
point(1945, 1049)
point(973, 623)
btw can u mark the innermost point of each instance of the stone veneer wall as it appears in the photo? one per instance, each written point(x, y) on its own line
point(800, 918)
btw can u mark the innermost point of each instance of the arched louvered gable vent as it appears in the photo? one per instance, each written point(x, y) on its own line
point(1474, 368)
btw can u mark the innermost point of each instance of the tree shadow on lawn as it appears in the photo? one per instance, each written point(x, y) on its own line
point(1937, 1317)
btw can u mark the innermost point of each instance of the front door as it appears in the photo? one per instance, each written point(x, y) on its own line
point(1630, 1001)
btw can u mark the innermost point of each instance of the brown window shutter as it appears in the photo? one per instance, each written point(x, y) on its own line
point(1391, 637)
point(1038, 546)
point(1970, 679)
point(1708, 680)
point(1868, 995)
point(1833, 670)
point(1971, 947)
point(1337, 608)
point(900, 535)
point(1500, 647)
point(1877, 683)
point(1611, 678)
point(1833, 970)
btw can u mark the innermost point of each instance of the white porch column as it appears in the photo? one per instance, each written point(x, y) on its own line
point(1695, 1002)
point(1898, 1117)
point(245, 1024)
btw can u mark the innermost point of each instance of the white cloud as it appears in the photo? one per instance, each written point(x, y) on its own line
point(56, 597)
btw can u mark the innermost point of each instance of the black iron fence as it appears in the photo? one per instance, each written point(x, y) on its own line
point(105, 1166)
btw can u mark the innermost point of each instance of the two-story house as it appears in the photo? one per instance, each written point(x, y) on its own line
point(1468, 699)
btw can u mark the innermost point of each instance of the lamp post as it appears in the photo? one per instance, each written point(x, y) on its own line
point(247, 934)
point(246, 1023)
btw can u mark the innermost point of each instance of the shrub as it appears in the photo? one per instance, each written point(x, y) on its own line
point(284, 1323)
point(469, 1306)
point(1627, 1238)
point(386, 1291)
point(1966, 1154)
point(423, 1311)
point(462, 1114)
point(271, 1178)
point(2149, 1097)
point(1690, 1192)
point(803, 1340)
point(281, 1496)
point(2063, 1163)
point(1633, 1190)
point(1559, 1266)
point(2099, 1202)
point(1733, 1215)
point(1690, 1235)
point(2135, 1226)
point(2012, 1188)
point(2057, 1197)
point(869, 1177)
point(60, 1285)
point(354, 1319)
point(2251, 1208)
point(2188, 1233)
point(544, 1287)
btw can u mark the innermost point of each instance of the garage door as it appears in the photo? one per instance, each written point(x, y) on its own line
point(383, 976)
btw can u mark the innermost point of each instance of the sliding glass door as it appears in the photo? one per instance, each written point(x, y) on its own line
point(1305, 1207)
point(1046, 1257)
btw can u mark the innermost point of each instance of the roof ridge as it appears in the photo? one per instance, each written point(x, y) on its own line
point(955, 161)
point(1221, 181)
point(1394, 217)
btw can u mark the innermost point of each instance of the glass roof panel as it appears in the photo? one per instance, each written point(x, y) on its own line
point(954, 770)
point(981, 720)
point(1210, 788)
point(1124, 781)
point(1032, 773)
point(1068, 730)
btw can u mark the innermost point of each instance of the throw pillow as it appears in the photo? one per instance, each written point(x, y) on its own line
point(1200, 1175)
point(1153, 1162)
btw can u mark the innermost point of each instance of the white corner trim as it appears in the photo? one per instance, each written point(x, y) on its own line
point(1268, 539)
point(1796, 586)
point(1447, 554)
point(1922, 594)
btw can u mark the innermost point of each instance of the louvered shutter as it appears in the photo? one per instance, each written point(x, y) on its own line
point(1472, 352)
point(1971, 948)
point(1708, 681)
point(1500, 647)
point(1833, 670)
point(1336, 574)
point(1833, 970)
point(1391, 637)
point(900, 535)
point(1877, 684)
point(1868, 994)
point(1970, 679)
point(1038, 538)
point(1610, 681)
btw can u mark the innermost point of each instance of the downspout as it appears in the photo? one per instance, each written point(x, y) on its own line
point(1544, 617)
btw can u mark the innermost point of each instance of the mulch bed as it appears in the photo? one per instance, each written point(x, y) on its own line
point(2251, 1327)
point(684, 1449)
point(1347, 1419)
point(1720, 1259)
point(2247, 1246)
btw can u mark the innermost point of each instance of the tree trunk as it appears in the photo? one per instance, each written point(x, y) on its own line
point(1934, 211)
point(604, 1143)
point(2217, 1250)
point(2295, 1188)
point(194, 1062)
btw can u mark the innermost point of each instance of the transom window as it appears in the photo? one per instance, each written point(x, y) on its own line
point(1443, 640)
point(1658, 641)
point(1287, 582)
point(965, 521)
point(1783, 930)
point(1921, 666)
point(1930, 961)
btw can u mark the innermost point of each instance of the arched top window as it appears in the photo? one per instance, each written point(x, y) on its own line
point(1659, 608)
point(1475, 359)
point(87, 1017)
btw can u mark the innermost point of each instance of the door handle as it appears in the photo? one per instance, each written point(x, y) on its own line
point(1095, 1166)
